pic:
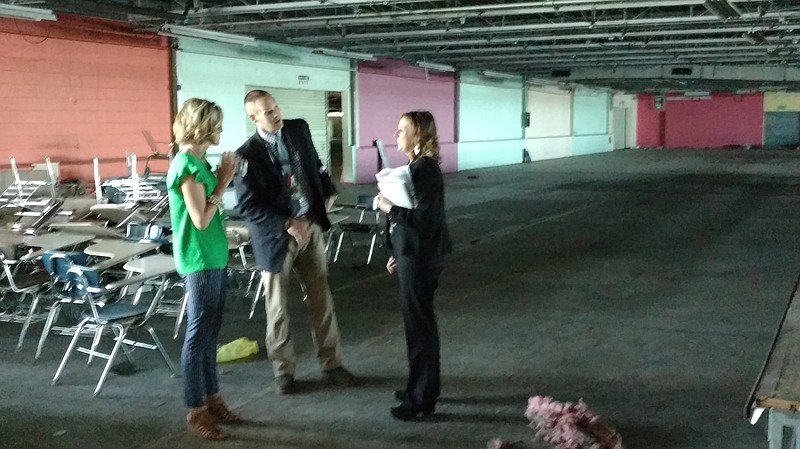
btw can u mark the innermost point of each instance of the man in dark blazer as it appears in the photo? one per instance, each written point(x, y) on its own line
point(284, 192)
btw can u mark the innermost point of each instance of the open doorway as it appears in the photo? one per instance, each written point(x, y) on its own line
point(335, 139)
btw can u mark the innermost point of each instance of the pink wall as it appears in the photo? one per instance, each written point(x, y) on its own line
point(387, 89)
point(723, 120)
point(79, 88)
point(649, 122)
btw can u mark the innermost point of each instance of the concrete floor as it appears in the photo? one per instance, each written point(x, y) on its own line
point(648, 283)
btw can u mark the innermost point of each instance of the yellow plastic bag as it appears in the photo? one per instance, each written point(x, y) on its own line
point(237, 350)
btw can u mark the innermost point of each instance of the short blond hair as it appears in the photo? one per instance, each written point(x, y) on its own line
point(197, 122)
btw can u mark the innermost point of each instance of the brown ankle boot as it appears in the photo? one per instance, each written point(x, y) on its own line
point(216, 406)
point(202, 422)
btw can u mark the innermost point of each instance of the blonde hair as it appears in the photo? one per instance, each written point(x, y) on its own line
point(425, 130)
point(197, 122)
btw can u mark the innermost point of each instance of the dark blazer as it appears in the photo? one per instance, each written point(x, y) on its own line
point(264, 197)
point(422, 231)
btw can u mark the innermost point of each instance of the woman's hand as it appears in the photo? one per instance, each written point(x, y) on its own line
point(391, 265)
point(226, 168)
point(384, 204)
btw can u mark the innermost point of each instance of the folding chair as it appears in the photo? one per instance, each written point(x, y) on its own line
point(29, 286)
point(372, 229)
point(120, 317)
point(56, 263)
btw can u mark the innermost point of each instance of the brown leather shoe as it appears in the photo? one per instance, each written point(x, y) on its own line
point(221, 413)
point(202, 422)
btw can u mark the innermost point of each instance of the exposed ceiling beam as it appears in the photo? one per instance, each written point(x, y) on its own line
point(582, 25)
point(641, 59)
point(579, 36)
point(629, 43)
point(441, 14)
point(286, 6)
point(111, 10)
point(616, 54)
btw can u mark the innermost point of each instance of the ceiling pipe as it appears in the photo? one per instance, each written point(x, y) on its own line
point(443, 14)
point(582, 37)
point(536, 27)
point(285, 6)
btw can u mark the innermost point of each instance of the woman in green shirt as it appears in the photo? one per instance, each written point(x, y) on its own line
point(201, 254)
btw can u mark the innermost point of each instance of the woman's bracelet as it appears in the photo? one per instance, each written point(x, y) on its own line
point(215, 200)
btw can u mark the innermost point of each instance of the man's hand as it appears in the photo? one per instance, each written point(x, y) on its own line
point(391, 265)
point(298, 228)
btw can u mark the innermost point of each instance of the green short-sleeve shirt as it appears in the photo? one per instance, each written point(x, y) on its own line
point(194, 250)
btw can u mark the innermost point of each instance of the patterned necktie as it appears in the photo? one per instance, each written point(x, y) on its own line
point(299, 179)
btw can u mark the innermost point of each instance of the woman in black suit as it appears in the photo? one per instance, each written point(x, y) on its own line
point(419, 239)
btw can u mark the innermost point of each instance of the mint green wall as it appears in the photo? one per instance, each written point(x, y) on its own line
point(590, 122)
point(490, 131)
point(591, 144)
point(220, 72)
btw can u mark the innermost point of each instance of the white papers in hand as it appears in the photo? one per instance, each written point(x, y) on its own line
point(395, 185)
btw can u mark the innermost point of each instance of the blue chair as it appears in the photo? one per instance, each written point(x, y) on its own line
point(84, 282)
point(57, 263)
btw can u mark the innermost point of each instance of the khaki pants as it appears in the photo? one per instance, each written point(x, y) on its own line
point(311, 266)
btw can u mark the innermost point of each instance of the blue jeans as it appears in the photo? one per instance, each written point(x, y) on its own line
point(205, 300)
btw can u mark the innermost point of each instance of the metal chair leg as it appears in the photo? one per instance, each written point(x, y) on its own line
point(250, 282)
point(179, 318)
point(27, 322)
point(161, 349)
point(371, 248)
point(120, 333)
point(255, 299)
point(98, 332)
point(70, 348)
point(338, 247)
point(51, 317)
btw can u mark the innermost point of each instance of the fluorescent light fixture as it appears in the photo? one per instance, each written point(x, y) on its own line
point(721, 9)
point(438, 67)
point(197, 33)
point(499, 75)
point(26, 13)
point(345, 54)
point(335, 114)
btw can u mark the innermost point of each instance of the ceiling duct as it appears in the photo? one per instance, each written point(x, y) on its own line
point(180, 31)
point(437, 67)
point(499, 75)
point(722, 9)
point(754, 38)
point(681, 71)
point(345, 54)
point(26, 13)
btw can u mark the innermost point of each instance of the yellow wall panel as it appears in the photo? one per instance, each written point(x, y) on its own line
point(782, 102)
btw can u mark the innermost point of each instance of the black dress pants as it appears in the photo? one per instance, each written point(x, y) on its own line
point(419, 278)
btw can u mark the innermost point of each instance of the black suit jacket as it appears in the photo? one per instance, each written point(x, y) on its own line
point(264, 197)
point(422, 232)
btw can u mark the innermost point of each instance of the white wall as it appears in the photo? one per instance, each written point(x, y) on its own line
point(549, 135)
point(220, 72)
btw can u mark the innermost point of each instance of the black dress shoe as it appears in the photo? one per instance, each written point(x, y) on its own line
point(407, 411)
point(284, 384)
